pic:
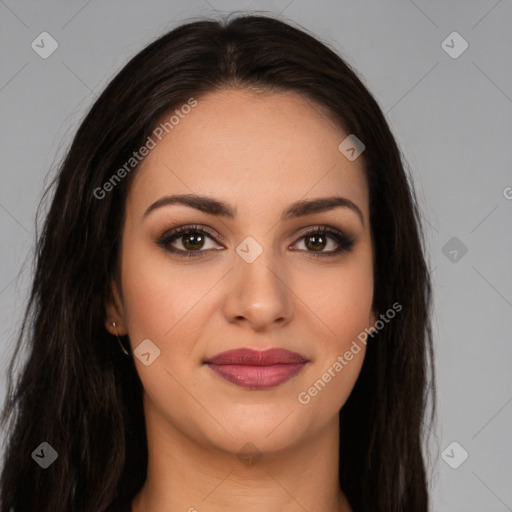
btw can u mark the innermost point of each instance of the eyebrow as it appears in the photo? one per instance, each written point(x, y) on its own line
point(221, 209)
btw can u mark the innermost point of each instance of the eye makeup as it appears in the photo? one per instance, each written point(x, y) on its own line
point(314, 237)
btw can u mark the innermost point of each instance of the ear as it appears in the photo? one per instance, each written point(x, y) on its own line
point(115, 312)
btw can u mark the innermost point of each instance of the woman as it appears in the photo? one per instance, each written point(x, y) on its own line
point(231, 304)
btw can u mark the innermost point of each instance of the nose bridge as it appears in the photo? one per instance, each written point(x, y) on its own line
point(258, 290)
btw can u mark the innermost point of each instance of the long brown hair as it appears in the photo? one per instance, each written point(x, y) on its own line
point(76, 390)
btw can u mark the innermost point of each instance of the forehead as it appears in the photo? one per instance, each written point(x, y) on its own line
point(267, 149)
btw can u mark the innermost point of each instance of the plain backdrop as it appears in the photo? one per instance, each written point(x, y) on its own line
point(450, 108)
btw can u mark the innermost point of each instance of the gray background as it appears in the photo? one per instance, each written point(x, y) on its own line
point(451, 116)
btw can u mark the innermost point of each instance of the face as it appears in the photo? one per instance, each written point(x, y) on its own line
point(263, 277)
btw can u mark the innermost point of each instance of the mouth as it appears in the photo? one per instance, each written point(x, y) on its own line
point(254, 369)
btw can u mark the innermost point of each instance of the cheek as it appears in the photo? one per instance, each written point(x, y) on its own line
point(340, 307)
point(160, 295)
point(167, 304)
point(341, 298)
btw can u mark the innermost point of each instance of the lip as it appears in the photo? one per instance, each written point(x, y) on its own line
point(255, 369)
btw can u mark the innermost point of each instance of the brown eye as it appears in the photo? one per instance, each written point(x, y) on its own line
point(315, 242)
point(192, 240)
point(321, 238)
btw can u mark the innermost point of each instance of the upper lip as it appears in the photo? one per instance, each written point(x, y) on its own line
point(250, 357)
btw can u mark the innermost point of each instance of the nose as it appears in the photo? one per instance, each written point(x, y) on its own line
point(259, 294)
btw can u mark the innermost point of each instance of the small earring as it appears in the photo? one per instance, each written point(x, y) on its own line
point(122, 347)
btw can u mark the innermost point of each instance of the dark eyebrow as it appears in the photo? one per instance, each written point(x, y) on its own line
point(215, 207)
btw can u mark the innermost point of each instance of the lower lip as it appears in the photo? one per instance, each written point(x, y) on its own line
point(257, 377)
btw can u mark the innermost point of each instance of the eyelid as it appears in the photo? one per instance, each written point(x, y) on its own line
point(313, 228)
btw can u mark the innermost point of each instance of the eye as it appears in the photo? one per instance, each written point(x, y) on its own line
point(192, 240)
point(318, 239)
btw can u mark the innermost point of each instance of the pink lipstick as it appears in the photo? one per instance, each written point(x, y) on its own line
point(256, 369)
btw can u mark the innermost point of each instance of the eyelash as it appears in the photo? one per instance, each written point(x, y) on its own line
point(344, 242)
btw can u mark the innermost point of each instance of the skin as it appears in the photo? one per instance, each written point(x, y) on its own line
point(258, 153)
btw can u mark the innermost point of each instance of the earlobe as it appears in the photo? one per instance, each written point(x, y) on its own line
point(114, 321)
